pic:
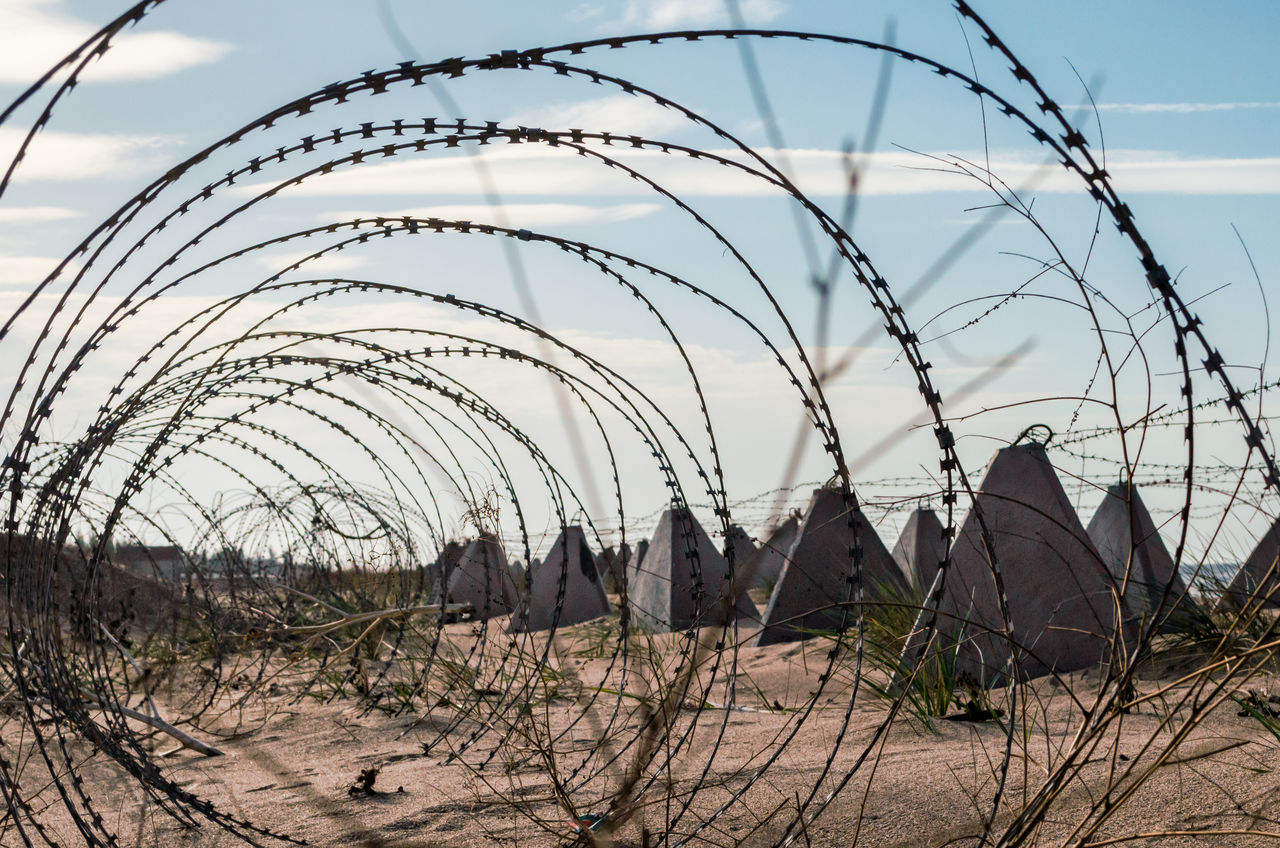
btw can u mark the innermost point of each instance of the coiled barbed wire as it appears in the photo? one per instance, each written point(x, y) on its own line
point(306, 566)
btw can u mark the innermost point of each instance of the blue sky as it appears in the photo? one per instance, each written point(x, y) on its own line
point(1189, 101)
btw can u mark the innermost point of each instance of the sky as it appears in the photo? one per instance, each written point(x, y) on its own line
point(1186, 112)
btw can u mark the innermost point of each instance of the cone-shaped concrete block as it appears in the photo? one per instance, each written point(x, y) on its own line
point(765, 565)
point(666, 595)
point(481, 578)
point(1127, 541)
point(920, 547)
point(565, 589)
point(1061, 597)
point(816, 575)
point(1259, 574)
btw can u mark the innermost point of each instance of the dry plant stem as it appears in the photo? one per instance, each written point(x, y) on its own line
point(184, 738)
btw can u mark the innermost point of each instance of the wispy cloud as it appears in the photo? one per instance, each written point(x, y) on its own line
point(527, 170)
point(329, 263)
point(74, 156)
point(517, 214)
point(26, 271)
point(36, 34)
point(745, 381)
point(618, 113)
point(35, 214)
point(1185, 108)
point(584, 12)
point(674, 14)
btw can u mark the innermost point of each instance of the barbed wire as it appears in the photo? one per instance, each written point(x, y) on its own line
point(364, 477)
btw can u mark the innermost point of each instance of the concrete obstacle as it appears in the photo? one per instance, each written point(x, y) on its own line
point(1259, 575)
point(642, 548)
point(921, 548)
point(604, 561)
point(1130, 547)
point(765, 565)
point(622, 562)
point(481, 578)
point(741, 545)
point(1060, 596)
point(565, 589)
point(684, 581)
point(441, 569)
point(609, 565)
point(815, 578)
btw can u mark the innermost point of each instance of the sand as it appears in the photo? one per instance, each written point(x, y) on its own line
point(446, 778)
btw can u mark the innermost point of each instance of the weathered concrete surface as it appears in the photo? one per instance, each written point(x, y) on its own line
point(684, 581)
point(765, 565)
point(741, 546)
point(618, 566)
point(1061, 597)
point(920, 547)
point(481, 578)
point(565, 589)
point(1131, 548)
point(817, 573)
point(1259, 574)
point(442, 568)
point(606, 568)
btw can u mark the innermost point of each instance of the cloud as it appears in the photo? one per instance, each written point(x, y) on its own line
point(1183, 108)
point(676, 14)
point(35, 214)
point(63, 156)
point(515, 214)
point(737, 383)
point(523, 170)
point(329, 263)
point(37, 34)
point(1159, 174)
point(26, 271)
point(624, 114)
point(584, 12)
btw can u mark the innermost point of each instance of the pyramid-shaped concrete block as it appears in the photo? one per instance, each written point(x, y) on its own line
point(609, 565)
point(1061, 597)
point(741, 546)
point(622, 564)
point(1259, 576)
point(684, 581)
point(765, 565)
point(565, 589)
point(441, 569)
point(815, 586)
point(1131, 548)
point(921, 547)
point(481, 578)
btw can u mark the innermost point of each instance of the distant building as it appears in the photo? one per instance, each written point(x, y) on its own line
point(162, 562)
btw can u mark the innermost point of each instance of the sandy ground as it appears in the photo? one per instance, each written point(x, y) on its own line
point(470, 772)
